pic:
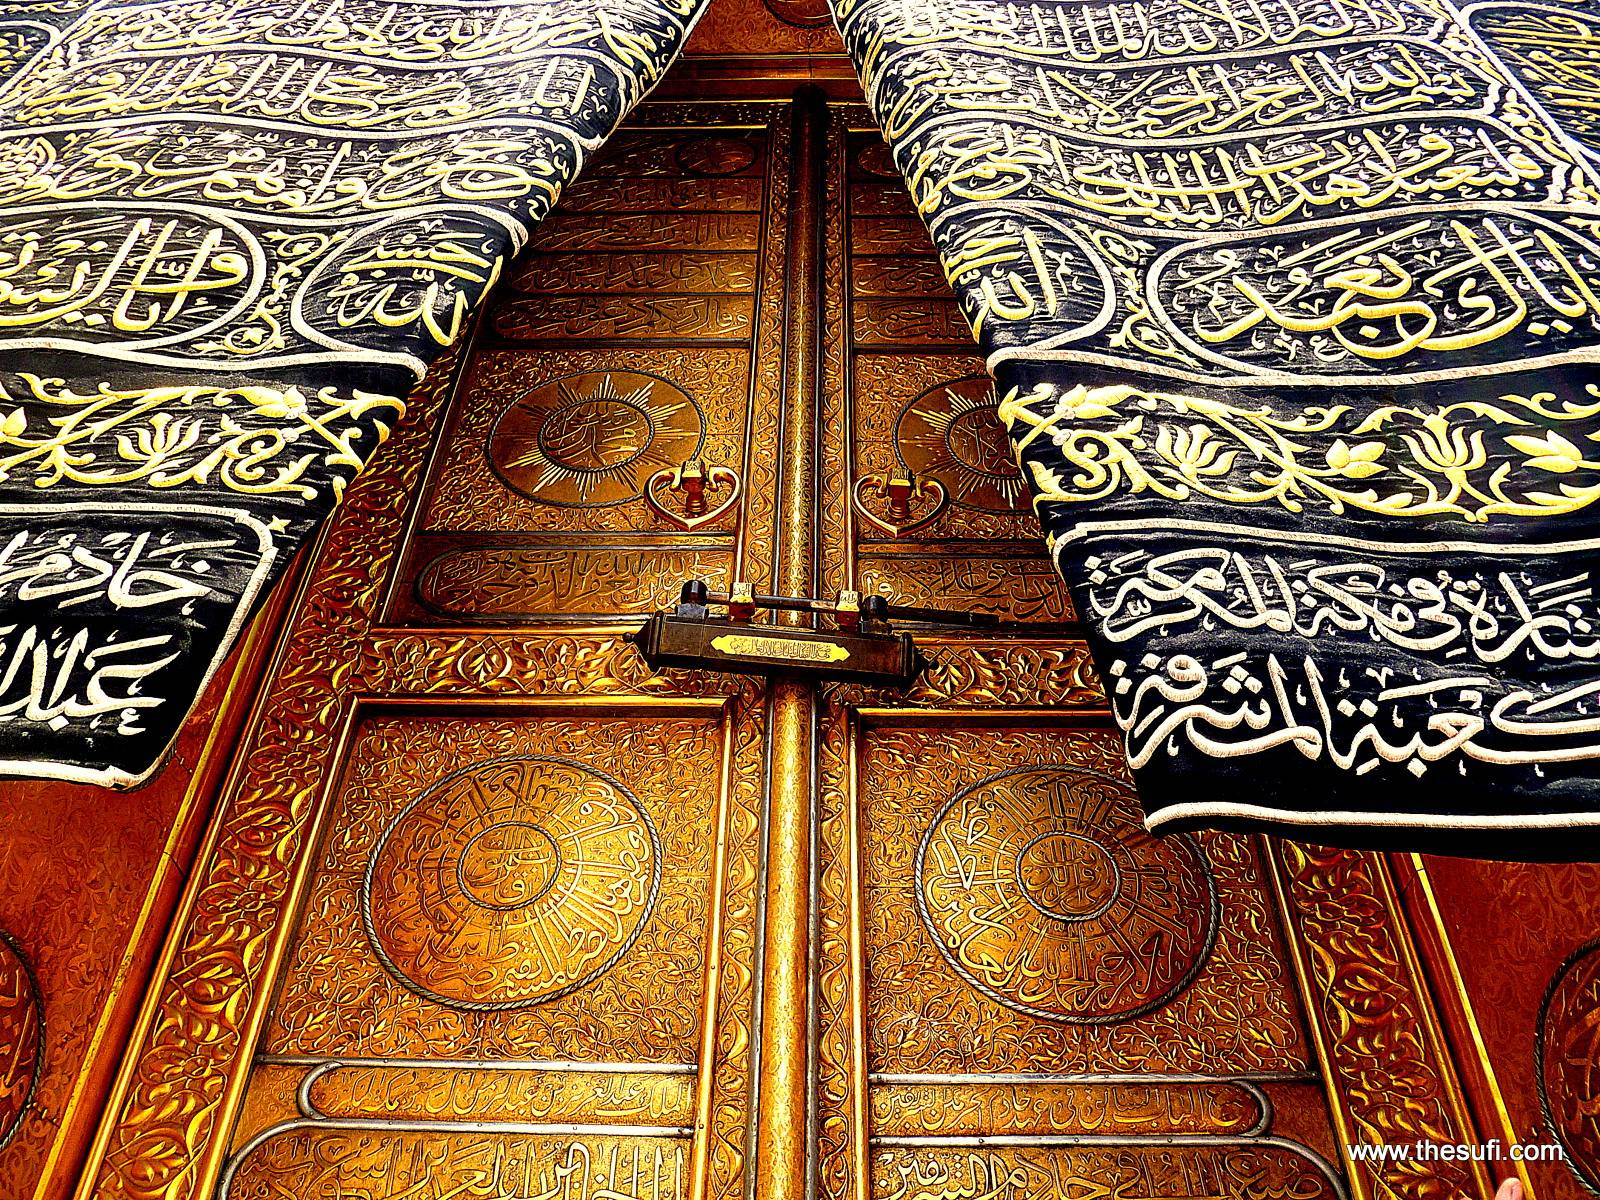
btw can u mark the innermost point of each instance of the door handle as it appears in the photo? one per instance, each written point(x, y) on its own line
point(693, 485)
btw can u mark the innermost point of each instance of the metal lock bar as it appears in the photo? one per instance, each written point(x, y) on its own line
point(862, 647)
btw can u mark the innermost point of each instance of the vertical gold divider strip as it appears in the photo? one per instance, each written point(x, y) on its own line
point(161, 969)
point(842, 328)
point(1337, 1112)
point(270, 622)
point(783, 1119)
point(1365, 1182)
point(706, 1073)
point(778, 154)
point(1452, 970)
point(861, 1184)
point(1427, 1009)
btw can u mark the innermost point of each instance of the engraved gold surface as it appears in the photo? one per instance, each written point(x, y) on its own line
point(693, 1021)
point(1042, 889)
point(1067, 1106)
point(550, 872)
point(953, 432)
point(481, 582)
point(1568, 1055)
point(591, 440)
point(472, 492)
point(650, 278)
point(784, 1064)
point(511, 882)
point(505, 1092)
point(411, 1161)
point(1017, 589)
point(1149, 1171)
point(1388, 1076)
point(21, 1036)
point(1238, 1015)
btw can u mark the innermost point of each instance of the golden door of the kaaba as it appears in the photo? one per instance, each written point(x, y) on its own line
point(488, 910)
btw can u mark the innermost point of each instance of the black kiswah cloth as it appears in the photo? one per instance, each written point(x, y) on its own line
point(1293, 311)
point(233, 235)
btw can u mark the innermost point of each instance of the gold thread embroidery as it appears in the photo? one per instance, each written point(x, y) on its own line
point(253, 439)
point(1421, 462)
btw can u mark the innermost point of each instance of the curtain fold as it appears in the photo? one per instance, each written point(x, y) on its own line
point(233, 235)
point(1293, 309)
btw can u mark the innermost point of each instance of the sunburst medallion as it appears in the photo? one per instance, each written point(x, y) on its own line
point(591, 440)
point(952, 433)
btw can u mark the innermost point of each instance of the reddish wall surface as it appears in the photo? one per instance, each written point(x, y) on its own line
point(752, 27)
point(1511, 928)
point(90, 878)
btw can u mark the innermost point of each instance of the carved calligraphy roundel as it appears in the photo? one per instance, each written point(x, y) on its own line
point(1043, 890)
point(21, 1036)
point(592, 440)
point(511, 882)
point(1567, 1061)
point(953, 433)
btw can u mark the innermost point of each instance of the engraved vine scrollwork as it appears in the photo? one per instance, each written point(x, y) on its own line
point(1383, 1053)
point(21, 1036)
point(1567, 1061)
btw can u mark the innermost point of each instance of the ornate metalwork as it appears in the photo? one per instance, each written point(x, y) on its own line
point(1567, 1061)
point(592, 440)
point(21, 1036)
point(696, 483)
point(511, 882)
point(1041, 888)
point(953, 432)
point(911, 503)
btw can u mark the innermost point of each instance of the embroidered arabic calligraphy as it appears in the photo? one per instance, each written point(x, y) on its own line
point(233, 233)
point(1291, 308)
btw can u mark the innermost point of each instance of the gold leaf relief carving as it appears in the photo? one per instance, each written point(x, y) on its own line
point(1236, 1017)
point(1383, 1052)
point(377, 969)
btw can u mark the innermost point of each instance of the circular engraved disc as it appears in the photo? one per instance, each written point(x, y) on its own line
point(591, 440)
point(953, 433)
point(511, 882)
point(1043, 890)
point(1567, 1051)
point(21, 1037)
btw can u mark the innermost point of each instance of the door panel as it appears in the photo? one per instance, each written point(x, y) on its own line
point(622, 344)
point(520, 941)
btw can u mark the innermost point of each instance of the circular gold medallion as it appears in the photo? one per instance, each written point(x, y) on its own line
point(1567, 1050)
point(592, 440)
point(1042, 889)
point(511, 882)
point(952, 433)
point(21, 1037)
